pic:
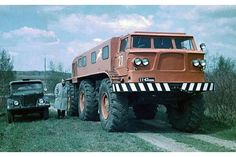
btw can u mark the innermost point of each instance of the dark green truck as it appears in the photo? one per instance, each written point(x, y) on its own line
point(27, 96)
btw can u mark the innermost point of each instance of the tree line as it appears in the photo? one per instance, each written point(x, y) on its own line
point(221, 104)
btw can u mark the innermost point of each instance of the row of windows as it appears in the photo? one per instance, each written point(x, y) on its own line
point(82, 61)
point(162, 42)
point(159, 43)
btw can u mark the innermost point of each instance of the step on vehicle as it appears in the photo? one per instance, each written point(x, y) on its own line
point(26, 97)
point(140, 70)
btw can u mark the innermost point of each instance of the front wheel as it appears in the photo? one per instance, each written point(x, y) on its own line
point(187, 115)
point(113, 108)
point(10, 117)
point(45, 114)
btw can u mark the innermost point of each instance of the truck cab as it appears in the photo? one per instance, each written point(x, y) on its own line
point(160, 57)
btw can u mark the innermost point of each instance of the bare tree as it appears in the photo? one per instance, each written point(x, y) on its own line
point(55, 74)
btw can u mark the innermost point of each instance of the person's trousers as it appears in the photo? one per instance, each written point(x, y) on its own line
point(61, 113)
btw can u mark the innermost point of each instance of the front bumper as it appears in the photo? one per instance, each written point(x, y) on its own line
point(29, 108)
point(163, 87)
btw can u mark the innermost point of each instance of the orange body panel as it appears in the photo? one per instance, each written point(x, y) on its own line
point(165, 65)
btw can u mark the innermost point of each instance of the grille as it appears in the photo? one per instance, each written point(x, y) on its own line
point(28, 100)
point(171, 61)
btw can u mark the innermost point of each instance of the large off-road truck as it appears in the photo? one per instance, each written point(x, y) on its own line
point(140, 70)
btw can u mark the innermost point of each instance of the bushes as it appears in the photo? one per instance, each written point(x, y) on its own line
point(221, 104)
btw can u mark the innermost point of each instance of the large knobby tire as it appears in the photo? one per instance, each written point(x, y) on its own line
point(113, 108)
point(88, 105)
point(72, 101)
point(10, 117)
point(187, 115)
point(147, 111)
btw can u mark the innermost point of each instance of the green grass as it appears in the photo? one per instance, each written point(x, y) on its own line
point(218, 129)
point(212, 127)
point(200, 145)
point(228, 134)
point(70, 134)
point(31, 134)
point(183, 138)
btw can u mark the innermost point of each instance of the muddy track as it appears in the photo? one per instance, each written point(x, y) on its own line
point(160, 134)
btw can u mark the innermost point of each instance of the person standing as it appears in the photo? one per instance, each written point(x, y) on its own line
point(61, 94)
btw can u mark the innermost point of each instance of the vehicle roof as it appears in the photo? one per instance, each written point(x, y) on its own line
point(167, 34)
point(25, 81)
point(160, 34)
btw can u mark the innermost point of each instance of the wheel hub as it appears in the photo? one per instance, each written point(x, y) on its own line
point(105, 106)
point(81, 101)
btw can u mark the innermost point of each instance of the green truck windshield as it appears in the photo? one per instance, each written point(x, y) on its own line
point(32, 86)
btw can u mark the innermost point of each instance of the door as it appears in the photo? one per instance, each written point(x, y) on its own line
point(121, 57)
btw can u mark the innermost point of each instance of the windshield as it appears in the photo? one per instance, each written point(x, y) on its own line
point(27, 87)
point(163, 42)
point(141, 42)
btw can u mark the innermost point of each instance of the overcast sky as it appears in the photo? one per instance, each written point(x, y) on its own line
point(60, 33)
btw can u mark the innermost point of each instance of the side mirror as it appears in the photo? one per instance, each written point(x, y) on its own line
point(45, 89)
point(203, 47)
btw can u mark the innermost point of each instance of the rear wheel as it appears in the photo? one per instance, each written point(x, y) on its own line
point(72, 101)
point(187, 115)
point(113, 108)
point(145, 111)
point(88, 106)
point(10, 117)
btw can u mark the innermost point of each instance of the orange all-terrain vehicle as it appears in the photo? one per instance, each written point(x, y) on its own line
point(140, 70)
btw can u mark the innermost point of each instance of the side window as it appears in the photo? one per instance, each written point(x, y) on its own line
point(124, 45)
point(73, 69)
point(84, 63)
point(93, 57)
point(79, 63)
point(105, 52)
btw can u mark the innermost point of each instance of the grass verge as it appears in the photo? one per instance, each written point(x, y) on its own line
point(218, 129)
point(70, 135)
point(212, 127)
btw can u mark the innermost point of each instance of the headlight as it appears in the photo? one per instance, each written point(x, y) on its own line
point(41, 101)
point(203, 62)
point(145, 61)
point(16, 103)
point(137, 61)
point(196, 63)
